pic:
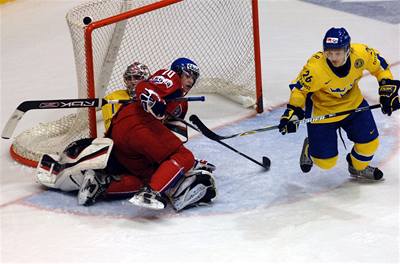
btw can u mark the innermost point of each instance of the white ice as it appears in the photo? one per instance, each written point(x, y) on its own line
point(277, 216)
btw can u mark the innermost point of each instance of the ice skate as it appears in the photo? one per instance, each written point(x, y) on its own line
point(369, 174)
point(305, 161)
point(148, 198)
point(94, 184)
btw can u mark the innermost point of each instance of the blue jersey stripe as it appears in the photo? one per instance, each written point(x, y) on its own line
point(295, 85)
point(383, 62)
point(361, 157)
point(309, 106)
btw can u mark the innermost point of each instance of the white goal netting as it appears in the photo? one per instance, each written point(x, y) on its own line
point(216, 34)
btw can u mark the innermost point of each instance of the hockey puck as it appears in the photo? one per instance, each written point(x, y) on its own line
point(87, 20)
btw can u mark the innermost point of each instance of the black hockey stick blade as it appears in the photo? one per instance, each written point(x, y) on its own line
point(266, 162)
point(203, 128)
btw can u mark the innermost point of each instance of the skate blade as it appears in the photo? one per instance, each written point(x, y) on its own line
point(153, 204)
point(364, 180)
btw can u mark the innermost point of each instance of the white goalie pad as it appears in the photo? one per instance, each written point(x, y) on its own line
point(47, 175)
point(65, 172)
point(195, 189)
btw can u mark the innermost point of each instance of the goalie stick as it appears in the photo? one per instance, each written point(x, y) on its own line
point(266, 162)
point(67, 103)
point(212, 135)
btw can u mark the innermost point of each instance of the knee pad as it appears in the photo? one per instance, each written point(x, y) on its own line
point(325, 164)
point(366, 149)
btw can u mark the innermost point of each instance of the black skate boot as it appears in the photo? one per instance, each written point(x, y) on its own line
point(369, 174)
point(94, 184)
point(148, 198)
point(305, 161)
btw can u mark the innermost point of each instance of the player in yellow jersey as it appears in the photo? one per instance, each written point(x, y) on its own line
point(328, 83)
point(134, 73)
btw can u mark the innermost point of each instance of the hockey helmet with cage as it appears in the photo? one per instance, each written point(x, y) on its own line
point(134, 73)
point(185, 65)
point(337, 38)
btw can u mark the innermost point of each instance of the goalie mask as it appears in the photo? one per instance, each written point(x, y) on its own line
point(135, 73)
point(336, 46)
point(187, 70)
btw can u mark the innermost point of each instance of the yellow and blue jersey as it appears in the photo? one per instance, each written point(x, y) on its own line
point(109, 110)
point(320, 91)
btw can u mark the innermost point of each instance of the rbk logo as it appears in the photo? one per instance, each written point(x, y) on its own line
point(67, 104)
point(78, 104)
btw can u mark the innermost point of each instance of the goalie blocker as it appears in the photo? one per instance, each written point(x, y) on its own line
point(82, 167)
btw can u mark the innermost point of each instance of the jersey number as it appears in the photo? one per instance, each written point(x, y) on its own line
point(306, 76)
point(169, 73)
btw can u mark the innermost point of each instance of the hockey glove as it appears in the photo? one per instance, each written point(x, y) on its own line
point(153, 104)
point(292, 113)
point(389, 95)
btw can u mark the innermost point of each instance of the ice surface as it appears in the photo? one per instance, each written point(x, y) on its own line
point(281, 215)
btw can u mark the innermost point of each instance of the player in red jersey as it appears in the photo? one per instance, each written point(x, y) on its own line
point(140, 154)
point(155, 162)
point(147, 160)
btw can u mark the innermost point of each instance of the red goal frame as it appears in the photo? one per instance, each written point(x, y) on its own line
point(149, 8)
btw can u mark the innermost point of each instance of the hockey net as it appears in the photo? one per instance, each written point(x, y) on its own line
point(221, 36)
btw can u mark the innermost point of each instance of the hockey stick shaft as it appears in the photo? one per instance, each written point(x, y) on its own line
point(67, 104)
point(266, 164)
point(268, 128)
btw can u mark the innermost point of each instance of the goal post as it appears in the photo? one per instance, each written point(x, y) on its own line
point(221, 36)
point(89, 48)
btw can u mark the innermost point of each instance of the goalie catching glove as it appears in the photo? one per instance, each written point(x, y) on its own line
point(291, 114)
point(152, 103)
point(389, 95)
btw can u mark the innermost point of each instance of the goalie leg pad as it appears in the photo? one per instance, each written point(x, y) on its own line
point(48, 170)
point(195, 189)
point(51, 173)
point(90, 153)
point(65, 172)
